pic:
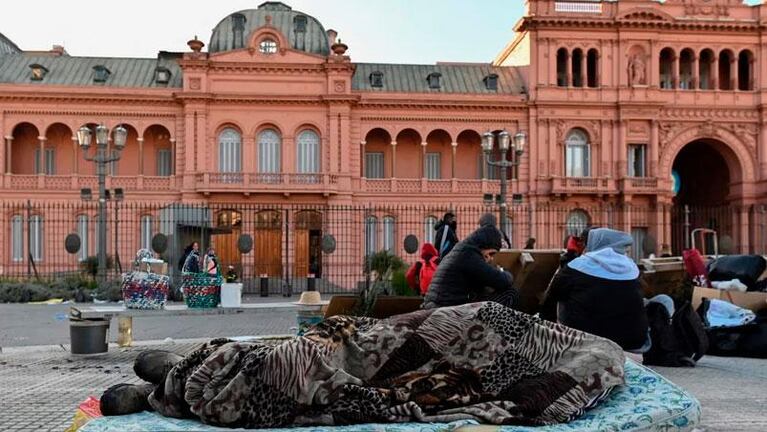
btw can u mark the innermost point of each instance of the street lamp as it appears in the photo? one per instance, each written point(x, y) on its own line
point(504, 144)
point(102, 157)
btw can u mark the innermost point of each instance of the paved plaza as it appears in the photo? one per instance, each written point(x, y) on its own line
point(42, 384)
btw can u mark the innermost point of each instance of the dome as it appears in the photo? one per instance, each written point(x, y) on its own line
point(303, 31)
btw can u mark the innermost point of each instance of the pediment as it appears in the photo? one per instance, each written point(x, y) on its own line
point(645, 14)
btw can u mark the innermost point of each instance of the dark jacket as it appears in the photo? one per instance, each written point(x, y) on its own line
point(613, 309)
point(451, 239)
point(463, 275)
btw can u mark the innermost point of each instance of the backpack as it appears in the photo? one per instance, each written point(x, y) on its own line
point(676, 341)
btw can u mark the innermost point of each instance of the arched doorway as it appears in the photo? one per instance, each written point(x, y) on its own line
point(703, 172)
point(268, 243)
point(224, 239)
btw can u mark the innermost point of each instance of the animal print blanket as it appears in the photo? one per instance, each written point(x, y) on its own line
point(478, 361)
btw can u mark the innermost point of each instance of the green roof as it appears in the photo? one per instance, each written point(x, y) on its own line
point(313, 40)
point(7, 46)
point(455, 78)
point(78, 71)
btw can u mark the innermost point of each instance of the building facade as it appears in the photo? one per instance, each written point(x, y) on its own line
point(635, 105)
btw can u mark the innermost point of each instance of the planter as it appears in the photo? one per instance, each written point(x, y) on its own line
point(231, 294)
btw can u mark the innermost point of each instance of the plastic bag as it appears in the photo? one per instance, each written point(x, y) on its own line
point(87, 411)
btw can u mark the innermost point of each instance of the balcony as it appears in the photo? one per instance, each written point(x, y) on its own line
point(74, 182)
point(638, 185)
point(266, 183)
point(429, 186)
point(583, 185)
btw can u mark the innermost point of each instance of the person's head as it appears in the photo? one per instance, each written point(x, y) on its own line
point(450, 220)
point(487, 239)
point(195, 246)
point(601, 238)
point(211, 252)
point(488, 219)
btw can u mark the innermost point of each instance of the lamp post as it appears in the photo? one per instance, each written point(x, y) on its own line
point(103, 156)
point(504, 144)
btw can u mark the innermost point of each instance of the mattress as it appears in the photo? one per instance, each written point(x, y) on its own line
point(646, 402)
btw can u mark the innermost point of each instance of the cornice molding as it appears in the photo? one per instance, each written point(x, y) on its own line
point(569, 21)
point(90, 113)
point(70, 98)
point(437, 119)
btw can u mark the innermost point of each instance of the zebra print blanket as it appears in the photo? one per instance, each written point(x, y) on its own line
point(478, 361)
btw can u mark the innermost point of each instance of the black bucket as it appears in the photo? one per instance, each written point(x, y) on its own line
point(89, 337)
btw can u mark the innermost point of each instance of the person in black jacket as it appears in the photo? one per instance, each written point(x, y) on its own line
point(445, 237)
point(467, 274)
point(599, 292)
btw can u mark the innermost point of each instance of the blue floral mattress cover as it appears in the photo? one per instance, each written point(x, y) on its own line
point(647, 402)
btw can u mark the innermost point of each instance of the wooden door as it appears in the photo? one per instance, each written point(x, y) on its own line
point(224, 239)
point(268, 244)
point(306, 223)
point(301, 253)
point(268, 252)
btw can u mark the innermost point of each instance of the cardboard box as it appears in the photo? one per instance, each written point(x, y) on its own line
point(754, 301)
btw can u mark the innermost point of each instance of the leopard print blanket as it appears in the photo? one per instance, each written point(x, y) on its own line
point(478, 361)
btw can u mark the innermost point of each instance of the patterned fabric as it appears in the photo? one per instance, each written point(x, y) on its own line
point(478, 361)
point(647, 402)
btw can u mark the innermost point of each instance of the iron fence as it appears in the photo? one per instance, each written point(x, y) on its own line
point(283, 248)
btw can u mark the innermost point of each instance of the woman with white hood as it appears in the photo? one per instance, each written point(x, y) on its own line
point(599, 292)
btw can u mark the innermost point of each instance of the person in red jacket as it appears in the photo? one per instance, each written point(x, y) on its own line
point(419, 274)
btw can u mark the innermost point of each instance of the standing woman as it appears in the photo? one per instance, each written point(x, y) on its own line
point(192, 260)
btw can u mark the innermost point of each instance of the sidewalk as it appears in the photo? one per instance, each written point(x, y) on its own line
point(42, 386)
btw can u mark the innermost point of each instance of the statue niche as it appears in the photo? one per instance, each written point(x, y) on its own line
point(637, 70)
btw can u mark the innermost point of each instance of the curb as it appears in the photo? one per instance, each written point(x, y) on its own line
point(64, 348)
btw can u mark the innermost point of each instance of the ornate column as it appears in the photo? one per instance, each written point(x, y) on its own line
point(173, 156)
point(762, 150)
point(584, 70)
point(654, 146)
point(733, 73)
point(675, 71)
point(363, 156)
point(8, 153)
point(394, 159)
point(41, 167)
point(715, 72)
point(75, 159)
point(568, 69)
point(695, 72)
point(423, 159)
point(454, 148)
point(140, 155)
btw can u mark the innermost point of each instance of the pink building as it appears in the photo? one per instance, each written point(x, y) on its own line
point(638, 105)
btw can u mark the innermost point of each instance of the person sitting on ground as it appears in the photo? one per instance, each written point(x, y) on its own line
point(600, 293)
point(445, 237)
point(468, 274)
point(420, 274)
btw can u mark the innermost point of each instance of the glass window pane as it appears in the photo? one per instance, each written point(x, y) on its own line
point(433, 168)
point(428, 227)
point(17, 238)
point(388, 233)
point(82, 231)
point(374, 165)
point(229, 143)
point(269, 143)
point(308, 155)
point(371, 231)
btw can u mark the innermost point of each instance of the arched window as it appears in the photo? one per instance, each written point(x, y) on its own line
point(230, 152)
point(562, 74)
point(666, 65)
point(705, 74)
point(577, 154)
point(577, 70)
point(577, 221)
point(745, 72)
point(592, 68)
point(17, 238)
point(269, 144)
point(82, 231)
point(146, 232)
point(685, 69)
point(389, 225)
point(371, 235)
point(308, 154)
point(428, 229)
point(725, 69)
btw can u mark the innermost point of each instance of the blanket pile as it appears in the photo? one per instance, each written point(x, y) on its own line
point(479, 361)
